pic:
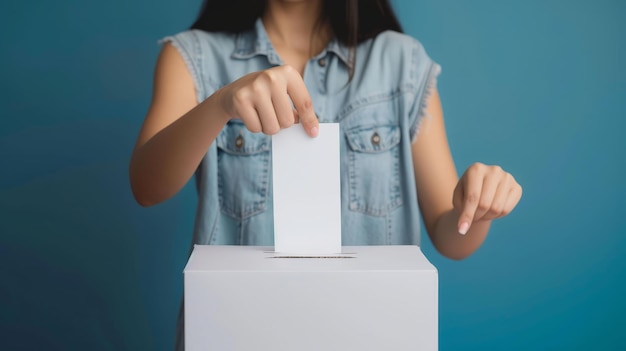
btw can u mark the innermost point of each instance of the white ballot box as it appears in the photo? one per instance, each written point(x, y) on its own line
point(367, 298)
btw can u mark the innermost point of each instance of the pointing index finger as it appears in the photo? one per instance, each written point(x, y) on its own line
point(472, 190)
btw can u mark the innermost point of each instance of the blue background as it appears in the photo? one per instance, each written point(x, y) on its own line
point(536, 86)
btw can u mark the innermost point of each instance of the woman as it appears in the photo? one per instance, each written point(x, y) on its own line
point(248, 69)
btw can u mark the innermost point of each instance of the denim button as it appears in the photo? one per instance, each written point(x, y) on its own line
point(375, 139)
point(239, 142)
point(322, 62)
point(374, 155)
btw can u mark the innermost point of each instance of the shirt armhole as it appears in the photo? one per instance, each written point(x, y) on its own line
point(426, 73)
point(186, 45)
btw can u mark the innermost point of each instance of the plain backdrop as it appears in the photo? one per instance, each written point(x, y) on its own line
point(537, 86)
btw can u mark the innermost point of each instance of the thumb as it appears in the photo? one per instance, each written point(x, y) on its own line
point(313, 126)
point(310, 123)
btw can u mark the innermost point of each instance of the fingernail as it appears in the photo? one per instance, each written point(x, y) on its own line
point(314, 131)
point(463, 228)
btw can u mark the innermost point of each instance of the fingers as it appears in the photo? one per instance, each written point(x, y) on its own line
point(263, 100)
point(284, 111)
point(267, 115)
point(302, 102)
point(484, 193)
point(512, 200)
point(250, 118)
point(489, 188)
point(495, 208)
point(506, 198)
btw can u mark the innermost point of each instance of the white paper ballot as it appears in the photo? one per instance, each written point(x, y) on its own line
point(307, 191)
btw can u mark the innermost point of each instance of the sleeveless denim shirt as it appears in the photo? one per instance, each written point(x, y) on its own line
point(379, 112)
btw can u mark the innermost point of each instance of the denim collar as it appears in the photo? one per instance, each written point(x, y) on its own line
point(256, 42)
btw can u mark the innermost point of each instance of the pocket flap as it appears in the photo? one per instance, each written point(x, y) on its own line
point(236, 139)
point(373, 139)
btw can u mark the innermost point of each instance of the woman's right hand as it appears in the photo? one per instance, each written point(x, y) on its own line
point(263, 101)
point(178, 131)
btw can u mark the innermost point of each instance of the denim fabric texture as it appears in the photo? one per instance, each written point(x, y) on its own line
point(380, 111)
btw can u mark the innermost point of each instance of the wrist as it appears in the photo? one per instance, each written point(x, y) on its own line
point(216, 106)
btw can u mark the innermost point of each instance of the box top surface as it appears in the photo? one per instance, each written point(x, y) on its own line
point(223, 258)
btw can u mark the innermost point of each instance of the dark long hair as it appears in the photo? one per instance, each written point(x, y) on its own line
point(352, 21)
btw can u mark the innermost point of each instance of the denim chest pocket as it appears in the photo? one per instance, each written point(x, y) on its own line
point(374, 169)
point(244, 167)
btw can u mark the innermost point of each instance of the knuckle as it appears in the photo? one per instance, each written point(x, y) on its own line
point(509, 178)
point(257, 86)
point(254, 127)
point(305, 106)
point(497, 169)
point(240, 97)
point(478, 166)
point(288, 69)
point(270, 76)
point(514, 181)
point(271, 130)
point(483, 206)
point(286, 123)
point(471, 198)
point(496, 209)
point(474, 169)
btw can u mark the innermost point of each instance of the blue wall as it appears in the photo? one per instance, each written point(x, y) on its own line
point(536, 86)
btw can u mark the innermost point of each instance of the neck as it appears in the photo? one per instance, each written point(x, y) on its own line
point(295, 25)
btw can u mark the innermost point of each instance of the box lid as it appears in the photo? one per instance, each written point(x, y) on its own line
point(224, 258)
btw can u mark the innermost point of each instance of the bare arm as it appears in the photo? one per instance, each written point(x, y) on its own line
point(175, 134)
point(457, 213)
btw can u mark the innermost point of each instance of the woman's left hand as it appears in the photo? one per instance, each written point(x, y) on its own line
point(484, 193)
